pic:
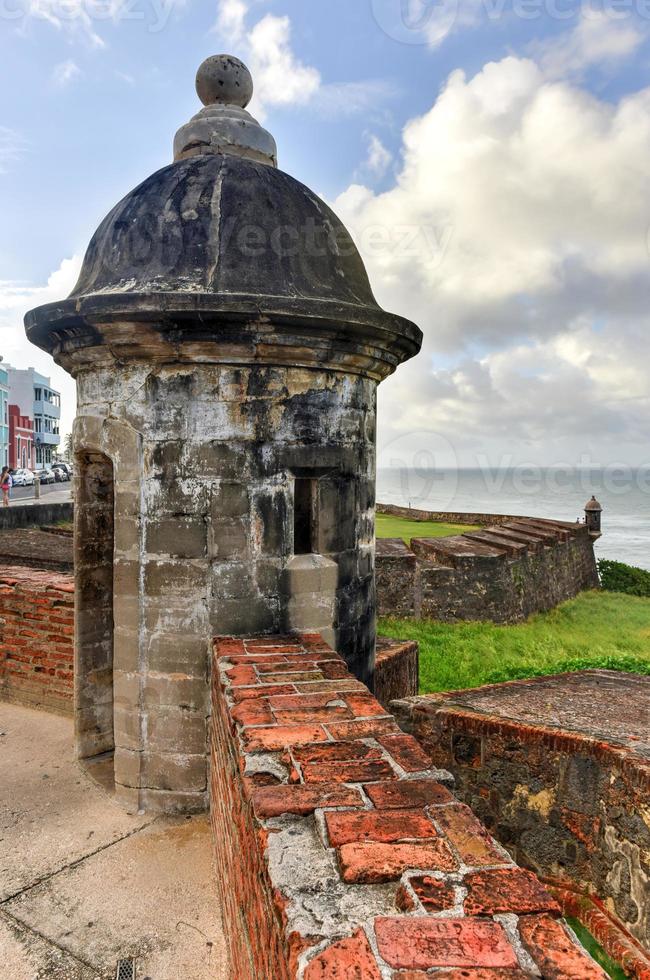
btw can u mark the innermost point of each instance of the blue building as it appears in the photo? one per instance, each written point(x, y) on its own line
point(36, 398)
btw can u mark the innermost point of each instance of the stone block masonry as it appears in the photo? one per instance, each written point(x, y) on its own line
point(503, 572)
point(341, 853)
point(36, 638)
point(559, 768)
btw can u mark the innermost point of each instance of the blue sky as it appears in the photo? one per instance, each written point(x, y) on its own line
point(518, 131)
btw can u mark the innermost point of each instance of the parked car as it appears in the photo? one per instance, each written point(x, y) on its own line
point(60, 474)
point(45, 475)
point(64, 466)
point(22, 478)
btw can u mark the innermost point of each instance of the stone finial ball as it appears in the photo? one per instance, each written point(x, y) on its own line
point(224, 79)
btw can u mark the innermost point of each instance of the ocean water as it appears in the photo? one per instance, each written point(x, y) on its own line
point(536, 492)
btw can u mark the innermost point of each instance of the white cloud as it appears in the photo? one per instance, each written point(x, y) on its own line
point(515, 235)
point(280, 77)
point(378, 159)
point(71, 17)
point(15, 300)
point(12, 146)
point(65, 72)
point(231, 19)
point(597, 39)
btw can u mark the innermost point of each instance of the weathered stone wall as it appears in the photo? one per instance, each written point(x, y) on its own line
point(446, 516)
point(503, 573)
point(397, 670)
point(339, 851)
point(569, 805)
point(34, 515)
point(36, 638)
point(205, 459)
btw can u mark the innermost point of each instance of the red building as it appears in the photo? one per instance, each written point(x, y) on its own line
point(21, 440)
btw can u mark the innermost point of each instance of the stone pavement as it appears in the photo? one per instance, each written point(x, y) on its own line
point(83, 883)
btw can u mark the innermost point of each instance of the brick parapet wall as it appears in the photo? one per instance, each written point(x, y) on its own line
point(397, 670)
point(570, 806)
point(36, 638)
point(504, 572)
point(340, 853)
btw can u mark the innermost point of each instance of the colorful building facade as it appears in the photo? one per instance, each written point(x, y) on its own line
point(4, 418)
point(36, 399)
point(21, 440)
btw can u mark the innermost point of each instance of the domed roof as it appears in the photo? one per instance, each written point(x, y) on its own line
point(221, 235)
point(229, 227)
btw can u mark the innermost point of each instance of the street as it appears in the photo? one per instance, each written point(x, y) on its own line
point(26, 494)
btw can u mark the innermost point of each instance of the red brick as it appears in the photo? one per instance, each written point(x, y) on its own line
point(412, 975)
point(303, 701)
point(280, 736)
point(279, 665)
point(293, 675)
point(349, 959)
point(407, 752)
point(238, 676)
point(473, 974)
point(333, 669)
point(555, 953)
point(369, 862)
point(363, 729)
point(272, 642)
point(507, 890)
point(336, 751)
point(261, 691)
point(468, 835)
point(317, 687)
point(364, 705)
point(296, 716)
point(386, 827)
point(355, 771)
point(422, 943)
point(224, 646)
point(273, 801)
point(408, 793)
point(436, 895)
point(253, 713)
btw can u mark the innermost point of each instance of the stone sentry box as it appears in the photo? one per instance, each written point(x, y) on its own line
point(227, 349)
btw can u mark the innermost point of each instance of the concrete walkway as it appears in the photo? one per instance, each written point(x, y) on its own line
point(84, 883)
point(52, 493)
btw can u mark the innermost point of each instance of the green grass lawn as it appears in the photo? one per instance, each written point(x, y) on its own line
point(400, 527)
point(597, 629)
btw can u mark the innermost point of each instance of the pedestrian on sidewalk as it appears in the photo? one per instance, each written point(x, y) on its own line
point(5, 485)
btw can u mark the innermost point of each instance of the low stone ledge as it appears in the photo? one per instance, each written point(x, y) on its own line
point(340, 850)
point(397, 670)
point(559, 767)
point(36, 638)
point(34, 515)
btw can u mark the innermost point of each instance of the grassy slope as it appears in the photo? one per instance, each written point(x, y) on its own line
point(597, 629)
point(400, 527)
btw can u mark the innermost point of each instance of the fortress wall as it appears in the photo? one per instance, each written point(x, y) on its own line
point(566, 800)
point(36, 638)
point(338, 844)
point(502, 573)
